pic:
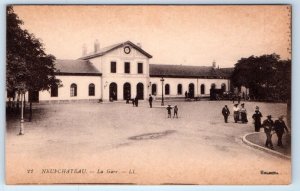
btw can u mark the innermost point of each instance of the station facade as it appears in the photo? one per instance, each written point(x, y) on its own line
point(123, 71)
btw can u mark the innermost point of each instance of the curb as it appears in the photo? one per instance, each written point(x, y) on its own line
point(278, 154)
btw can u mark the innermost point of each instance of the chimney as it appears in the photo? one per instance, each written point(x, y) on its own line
point(139, 45)
point(214, 64)
point(96, 46)
point(84, 50)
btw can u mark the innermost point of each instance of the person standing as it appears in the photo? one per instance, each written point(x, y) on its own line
point(225, 112)
point(150, 100)
point(279, 127)
point(136, 100)
point(268, 128)
point(236, 111)
point(175, 111)
point(186, 94)
point(243, 114)
point(133, 102)
point(169, 108)
point(257, 119)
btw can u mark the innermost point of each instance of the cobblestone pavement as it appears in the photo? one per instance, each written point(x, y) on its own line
point(196, 148)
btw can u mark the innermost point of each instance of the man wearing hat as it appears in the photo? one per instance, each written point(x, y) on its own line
point(268, 127)
point(236, 111)
point(169, 108)
point(225, 112)
point(257, 119)
point(279, 127)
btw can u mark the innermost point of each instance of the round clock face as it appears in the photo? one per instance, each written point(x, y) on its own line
point(127, 49)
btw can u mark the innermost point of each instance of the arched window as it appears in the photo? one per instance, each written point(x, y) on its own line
point(54, 90)
point(179, 89)
point(140, 91)
point(202, 89)
point(154, 89)
point(73, 90)
point(126, 91)
point(167, 89)
point(92, 90)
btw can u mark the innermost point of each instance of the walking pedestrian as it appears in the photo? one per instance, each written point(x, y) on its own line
point(239, 99)
point(243, 112)
point(169, 108)
point(225, 112)
point(133, 102)
point(175, 111)
point(150, 100)
point(268, 128)
point(279, 127)
point(186, 94)
point(136, 100)
point(257, 119)
point(236, 111)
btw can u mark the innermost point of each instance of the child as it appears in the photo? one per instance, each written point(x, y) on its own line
point(175, 111)
point(169, 108)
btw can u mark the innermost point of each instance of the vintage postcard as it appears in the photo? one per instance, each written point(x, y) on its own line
point(148, 94)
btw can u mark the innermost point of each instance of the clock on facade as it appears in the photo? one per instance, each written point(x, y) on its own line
point(127, 49)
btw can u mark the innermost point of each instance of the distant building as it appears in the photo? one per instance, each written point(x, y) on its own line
point(122, 71)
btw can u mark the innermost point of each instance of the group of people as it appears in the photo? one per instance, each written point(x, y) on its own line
point(239, 113)
point(270, 127)
point(135, 102)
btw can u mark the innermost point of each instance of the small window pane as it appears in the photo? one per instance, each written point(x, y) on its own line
point(140, 68)
point(113, 67)
point(127, 67)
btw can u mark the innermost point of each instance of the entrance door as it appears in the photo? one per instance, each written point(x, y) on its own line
point(113, 94)
point(126, 91)
point(191, 90)
point(140, 90)
point(33, 96)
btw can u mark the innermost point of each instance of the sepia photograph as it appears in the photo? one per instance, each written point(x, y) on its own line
point(148, 94)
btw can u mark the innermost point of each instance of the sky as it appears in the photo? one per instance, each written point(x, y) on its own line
point(187, 35)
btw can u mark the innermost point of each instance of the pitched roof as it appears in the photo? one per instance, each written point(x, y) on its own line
point(159, 70)
point(107, 49)
point(76, 67)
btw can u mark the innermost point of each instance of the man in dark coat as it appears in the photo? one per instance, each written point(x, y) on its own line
point(279, 127)
point(225, 112)
point(169, 108)
point(150, 100)
point(136, 100)
point(268, 128)
point(257, 119)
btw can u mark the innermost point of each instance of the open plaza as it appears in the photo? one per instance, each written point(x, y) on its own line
point(118, 143)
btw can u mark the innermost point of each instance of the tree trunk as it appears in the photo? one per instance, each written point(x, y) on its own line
point(18, 102)
point(24, 104)
point(30, 111)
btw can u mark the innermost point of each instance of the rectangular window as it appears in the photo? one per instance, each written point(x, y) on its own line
point(113, 67)
point(127, 67)
point(140, 68)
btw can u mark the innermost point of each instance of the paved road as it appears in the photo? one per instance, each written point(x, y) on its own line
point(141, 144)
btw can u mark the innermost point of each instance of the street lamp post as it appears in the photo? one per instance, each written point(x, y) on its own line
point(162, 91)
